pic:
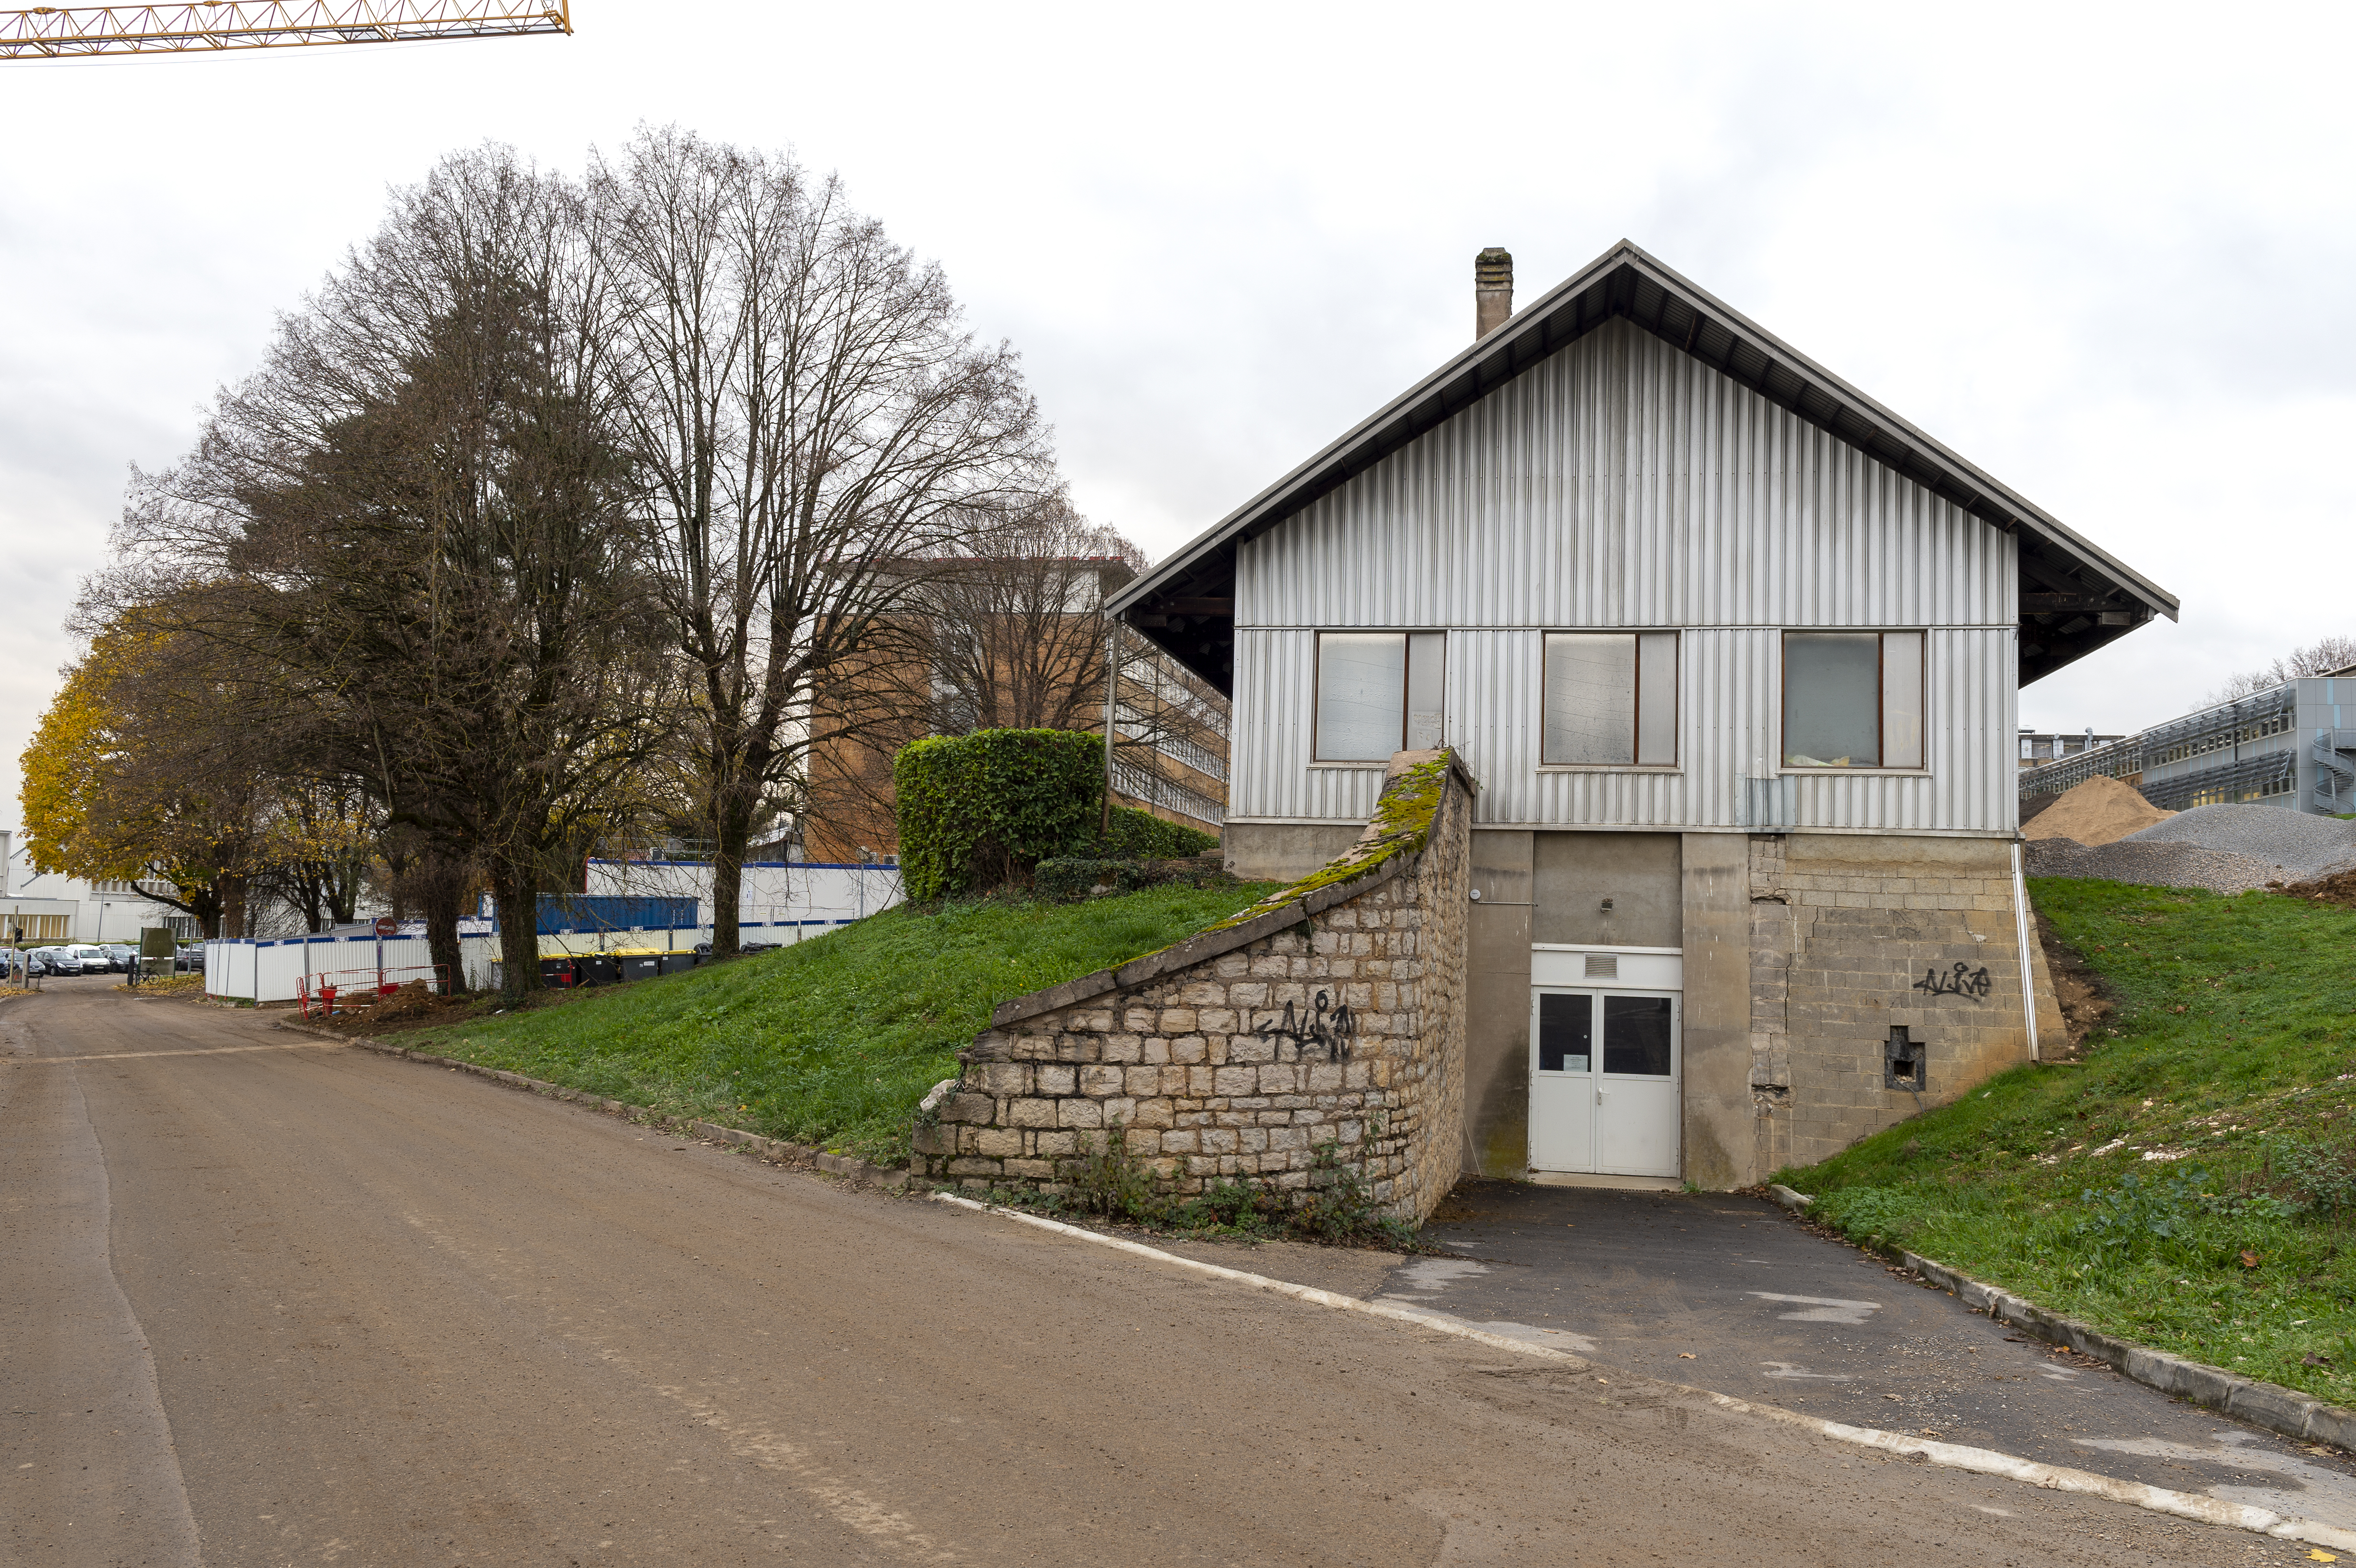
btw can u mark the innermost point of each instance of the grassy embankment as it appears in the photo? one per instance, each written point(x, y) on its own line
point(835, 1041)
point(2191, 1184)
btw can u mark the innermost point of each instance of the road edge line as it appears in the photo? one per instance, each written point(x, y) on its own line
point(1950, 1456)
point(2278, 1409)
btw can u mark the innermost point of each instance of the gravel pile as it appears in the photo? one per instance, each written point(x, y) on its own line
point(2303, 846)
point(2159, 865)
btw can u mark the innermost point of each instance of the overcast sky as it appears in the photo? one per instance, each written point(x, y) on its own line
point(2107, 254)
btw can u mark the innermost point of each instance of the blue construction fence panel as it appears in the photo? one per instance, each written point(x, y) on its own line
point(612, 911)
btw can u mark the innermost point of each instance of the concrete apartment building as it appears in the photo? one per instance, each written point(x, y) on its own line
point(2040, 747)
point(1731, 655)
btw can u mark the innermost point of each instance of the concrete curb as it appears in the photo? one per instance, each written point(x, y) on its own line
point(2277, 1409)
point(776, 1149)
point(1952, 1455)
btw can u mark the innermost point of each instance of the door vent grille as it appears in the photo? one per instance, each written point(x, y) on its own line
point(1603, 965)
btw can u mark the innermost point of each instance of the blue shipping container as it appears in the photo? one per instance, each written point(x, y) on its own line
point(611, 911)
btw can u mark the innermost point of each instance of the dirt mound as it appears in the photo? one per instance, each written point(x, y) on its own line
point(413, 1006)
point(2084, 1000)
point(2340, 888)
point(2100, 811)
point(411, 1002)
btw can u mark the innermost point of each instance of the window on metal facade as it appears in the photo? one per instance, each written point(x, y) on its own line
point(1379, 692)
point(1853, 699)
point(1610, 699)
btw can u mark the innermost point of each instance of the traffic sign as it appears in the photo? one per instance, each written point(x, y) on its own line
point(387, 926)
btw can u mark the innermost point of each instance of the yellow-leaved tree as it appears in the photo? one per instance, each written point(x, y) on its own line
point(126, 779)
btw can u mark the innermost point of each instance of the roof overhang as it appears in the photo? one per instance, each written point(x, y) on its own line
point(2074, 597)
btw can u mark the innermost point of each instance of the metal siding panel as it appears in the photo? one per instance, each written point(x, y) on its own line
point(1269, 770)
point(1621, 482)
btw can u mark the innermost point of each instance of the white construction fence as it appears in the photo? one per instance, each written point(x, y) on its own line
point(783, 905)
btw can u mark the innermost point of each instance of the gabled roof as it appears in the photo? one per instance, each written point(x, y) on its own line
point(2074, 597)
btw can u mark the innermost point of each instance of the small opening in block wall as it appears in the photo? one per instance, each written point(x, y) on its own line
point(1904, 1061)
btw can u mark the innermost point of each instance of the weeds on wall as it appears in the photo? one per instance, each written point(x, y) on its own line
point(1106, 1181)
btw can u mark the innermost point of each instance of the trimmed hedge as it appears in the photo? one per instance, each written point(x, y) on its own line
point(981, 810)
point(1141, 836)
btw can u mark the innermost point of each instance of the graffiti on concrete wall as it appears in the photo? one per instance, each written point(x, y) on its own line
point(1963, 980)
point(1320, 1027)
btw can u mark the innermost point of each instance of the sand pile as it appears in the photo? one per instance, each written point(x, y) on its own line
point(2100, 811)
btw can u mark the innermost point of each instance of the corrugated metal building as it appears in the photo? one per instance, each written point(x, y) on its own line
point(1734, 654)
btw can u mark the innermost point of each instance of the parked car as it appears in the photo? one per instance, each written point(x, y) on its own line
point(59, 961)
point(190, 961)
point(121, 956)
point(94, 958)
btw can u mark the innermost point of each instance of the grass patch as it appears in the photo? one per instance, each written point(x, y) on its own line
point(832, 1042)
point(2192, 1184)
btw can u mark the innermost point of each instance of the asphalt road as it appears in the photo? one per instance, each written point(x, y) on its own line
point(265, 1300)
point(1730, 1293)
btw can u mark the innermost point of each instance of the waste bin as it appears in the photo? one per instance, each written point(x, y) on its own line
point(594, 969)
point(680, 962)
point(640, 966)
point(557, 974)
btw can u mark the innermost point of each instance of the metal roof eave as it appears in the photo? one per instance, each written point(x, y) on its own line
point(1466, 377)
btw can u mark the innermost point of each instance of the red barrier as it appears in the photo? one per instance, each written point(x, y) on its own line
point(316, 995)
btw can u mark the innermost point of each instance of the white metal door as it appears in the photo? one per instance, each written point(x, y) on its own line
point(1562, 1081)
point(1636, 1095)
point(1604, 1070)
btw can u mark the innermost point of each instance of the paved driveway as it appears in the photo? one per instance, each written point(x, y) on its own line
point(1730, 1293)
point(271, 1300)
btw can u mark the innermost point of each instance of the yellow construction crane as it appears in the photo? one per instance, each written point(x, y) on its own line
point(64, 32)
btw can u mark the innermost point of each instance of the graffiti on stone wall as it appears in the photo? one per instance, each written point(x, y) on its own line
point(1321, 1027)
point(1963, 980)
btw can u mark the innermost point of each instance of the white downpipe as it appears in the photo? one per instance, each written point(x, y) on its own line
point(2027, 968)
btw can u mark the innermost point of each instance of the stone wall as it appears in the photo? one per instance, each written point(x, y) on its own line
point(1332, 1012)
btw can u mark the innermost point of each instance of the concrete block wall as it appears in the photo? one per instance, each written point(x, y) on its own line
point(1850, 936)
point(1333, 1013)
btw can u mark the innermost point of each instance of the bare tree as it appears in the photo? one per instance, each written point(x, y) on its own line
point(1017, 632)
point(810, 416)
point(326, 839)
point(1013, 636)
point(416, 517)
point(2323, 657)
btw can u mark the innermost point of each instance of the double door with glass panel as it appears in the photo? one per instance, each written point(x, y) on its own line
point(1603, 1082)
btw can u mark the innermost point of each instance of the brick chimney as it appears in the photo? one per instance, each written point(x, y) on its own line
point(1492, 291)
